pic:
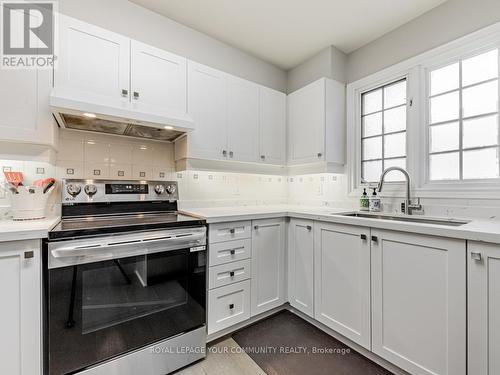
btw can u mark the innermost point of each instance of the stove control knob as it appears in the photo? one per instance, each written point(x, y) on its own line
point(159, 189)
point(171, 189)
point(90, 190)
point(73, 189)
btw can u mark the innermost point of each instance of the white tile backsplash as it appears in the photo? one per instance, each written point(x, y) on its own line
point(81, 155)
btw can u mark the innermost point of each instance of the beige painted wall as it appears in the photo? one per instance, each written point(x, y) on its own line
point(449, 21)
point(129, 19)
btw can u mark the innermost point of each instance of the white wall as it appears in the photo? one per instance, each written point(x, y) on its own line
point(449, 21)
point(329, 62)
point(129, 19)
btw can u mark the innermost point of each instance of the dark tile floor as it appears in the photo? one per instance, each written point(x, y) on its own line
point(291, 343)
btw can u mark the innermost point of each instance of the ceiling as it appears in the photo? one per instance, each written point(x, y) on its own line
point(287, 32)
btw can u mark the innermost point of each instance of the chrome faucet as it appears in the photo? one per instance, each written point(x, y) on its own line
point(406, 207)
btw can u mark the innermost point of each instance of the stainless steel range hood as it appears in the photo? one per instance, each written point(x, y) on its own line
point(87, 116)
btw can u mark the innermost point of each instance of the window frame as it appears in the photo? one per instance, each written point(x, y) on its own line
point(383, 134)
point(460, 184)
point(416, 69)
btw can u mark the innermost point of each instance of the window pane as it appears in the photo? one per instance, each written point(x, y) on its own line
point(480, 164)
point(444, 166)
point(395, 175)
point(372, 124)
point(372, 101)
point(480, 68)
point(480, 99)
point(395, 119)
point(480, 132)
point(445, 79)
point(395, 145)
point(372, 148)
point(371, 170)
point(444, 137)
point(445, 107)
point(395, 94)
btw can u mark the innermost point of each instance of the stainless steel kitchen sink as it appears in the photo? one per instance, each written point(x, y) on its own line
point(412, 219)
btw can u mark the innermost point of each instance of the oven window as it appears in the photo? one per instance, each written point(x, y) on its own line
point(131, 288)
point(100, 310)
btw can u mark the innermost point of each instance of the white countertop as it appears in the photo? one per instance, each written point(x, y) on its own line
point(477, 230)
point(26, 230)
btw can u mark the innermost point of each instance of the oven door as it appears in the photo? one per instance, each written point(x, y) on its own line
point(109, 296)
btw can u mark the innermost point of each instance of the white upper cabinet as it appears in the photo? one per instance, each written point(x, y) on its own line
point(342, 280)
point(268, 265)
point(158, 80)
point(207, 103)
point(272, 126)
point(24, 107)
point(316, 123)
point(419, 302)
point(93, 65)
point(301, 265)
point(483, 308)
point(242, 120)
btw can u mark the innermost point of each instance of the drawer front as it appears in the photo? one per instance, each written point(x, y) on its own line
point(229, 273)
point(228, 305)
point(229, 231)
point(225, 252)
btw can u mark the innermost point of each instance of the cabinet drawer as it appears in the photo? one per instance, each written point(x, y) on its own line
point(228, 305)
point(229, 231)
point(224, 252)
point(229, 273)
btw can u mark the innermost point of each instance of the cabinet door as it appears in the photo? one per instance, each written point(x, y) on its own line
point(94, 64)
point(243, 120)
point(20, 342)
point(342, 280)
point(419, 302)
point(484, 308)
point(272, 126)
point(24, 105)
point(207, 95)
point(158, 80)
point(301, 265)
point(268, 265)
point(306, 116)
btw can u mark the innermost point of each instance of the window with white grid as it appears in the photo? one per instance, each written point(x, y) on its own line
point(463, 136)
point(383, 130)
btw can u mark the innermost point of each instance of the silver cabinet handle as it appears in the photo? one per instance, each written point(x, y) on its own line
point(29, 254)
point(136, 95)
point(308, 227)
point(224, 153)
point(476, 256)
point(124, 93)
point(231, 154)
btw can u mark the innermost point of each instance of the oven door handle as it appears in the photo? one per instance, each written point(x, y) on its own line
point(190, 239)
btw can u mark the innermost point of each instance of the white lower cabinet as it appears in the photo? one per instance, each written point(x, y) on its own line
point(20, 340)
point(419, 302)
point(268, 265)
point(484, 308)
point(301, 265)
point(228, 305)
point(342, 280)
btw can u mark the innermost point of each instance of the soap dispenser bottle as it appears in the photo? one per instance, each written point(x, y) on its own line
point(374, 204)
point(364, 201)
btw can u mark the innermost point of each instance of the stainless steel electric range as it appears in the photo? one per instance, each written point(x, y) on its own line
point(124, 281)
